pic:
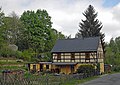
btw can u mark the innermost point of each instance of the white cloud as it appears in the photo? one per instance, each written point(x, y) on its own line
point(66, 14)
point(116, 12)
point(111, 21)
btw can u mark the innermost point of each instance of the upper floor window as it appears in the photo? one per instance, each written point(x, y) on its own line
point(58, 56)
point(87, 56)
point(72, 56)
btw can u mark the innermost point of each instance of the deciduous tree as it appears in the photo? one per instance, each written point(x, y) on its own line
point(38, 32)
point(1, 27)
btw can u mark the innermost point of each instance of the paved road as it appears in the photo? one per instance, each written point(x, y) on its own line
point(111, 79)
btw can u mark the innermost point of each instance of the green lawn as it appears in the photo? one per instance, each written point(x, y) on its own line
point(75, 82)
point(10, 61)
point(11, 64)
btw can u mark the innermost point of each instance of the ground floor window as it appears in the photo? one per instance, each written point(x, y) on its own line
point(47, 66)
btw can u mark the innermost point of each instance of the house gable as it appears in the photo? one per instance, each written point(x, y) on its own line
point(100, 53)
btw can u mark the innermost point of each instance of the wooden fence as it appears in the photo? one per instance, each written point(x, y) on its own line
point(19, 79)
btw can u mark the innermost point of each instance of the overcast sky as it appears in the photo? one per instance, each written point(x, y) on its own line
point(66, 14)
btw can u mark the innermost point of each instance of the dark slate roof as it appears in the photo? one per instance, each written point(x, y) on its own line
point(76, 45)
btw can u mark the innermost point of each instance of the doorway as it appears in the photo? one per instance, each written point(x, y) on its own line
point(41, 67)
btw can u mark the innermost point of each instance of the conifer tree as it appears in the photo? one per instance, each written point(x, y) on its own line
point(91, 27)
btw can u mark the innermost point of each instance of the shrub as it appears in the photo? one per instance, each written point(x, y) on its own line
point(86, 69)
point(116, 68)
point(27, 54)
point(6, 52)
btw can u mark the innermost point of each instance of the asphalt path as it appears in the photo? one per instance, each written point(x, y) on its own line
point(110, 79)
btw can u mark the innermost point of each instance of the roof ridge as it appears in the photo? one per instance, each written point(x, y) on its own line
point(80, 38)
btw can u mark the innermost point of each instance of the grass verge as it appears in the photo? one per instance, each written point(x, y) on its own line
point(78, 82)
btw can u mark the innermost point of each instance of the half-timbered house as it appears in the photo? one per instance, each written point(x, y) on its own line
point(69, 54)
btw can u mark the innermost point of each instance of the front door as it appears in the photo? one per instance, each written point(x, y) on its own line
point(41, 67)
point(34, 67)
